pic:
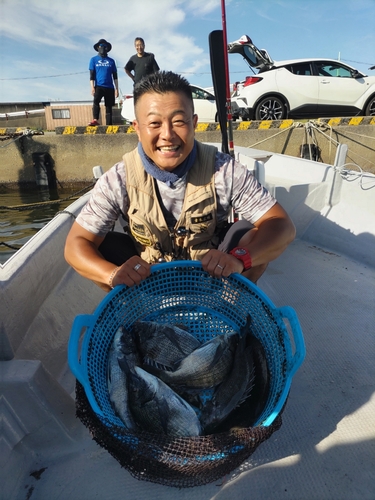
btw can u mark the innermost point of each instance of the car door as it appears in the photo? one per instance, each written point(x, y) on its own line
point(296, 82)
point(255, 58)
point(204, 104)
point(339, 90)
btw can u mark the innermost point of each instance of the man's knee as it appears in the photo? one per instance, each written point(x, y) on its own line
point(255, 272)
point(117, 248)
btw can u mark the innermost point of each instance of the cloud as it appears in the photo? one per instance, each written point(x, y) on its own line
point(57, 37)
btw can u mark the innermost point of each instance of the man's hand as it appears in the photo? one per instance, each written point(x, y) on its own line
point(81, 252)
point(132, 272)
point(219, 264)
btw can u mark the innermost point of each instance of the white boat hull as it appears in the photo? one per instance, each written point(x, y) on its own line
point(324, 449)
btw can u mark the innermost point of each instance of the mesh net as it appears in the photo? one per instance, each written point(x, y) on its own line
point(177, 462)
point(183, 294)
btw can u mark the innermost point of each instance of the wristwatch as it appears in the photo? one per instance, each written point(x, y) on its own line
point(243, 255)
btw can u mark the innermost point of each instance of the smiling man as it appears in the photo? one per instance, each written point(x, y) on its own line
point(142, 63)
point(175, 195)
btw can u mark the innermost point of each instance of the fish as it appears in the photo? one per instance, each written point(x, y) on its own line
point(156, 407)
point(250, 409)
point(117, 381)
point(163, 345)
point(248, 413)
point(236, 388)
point(205, 367)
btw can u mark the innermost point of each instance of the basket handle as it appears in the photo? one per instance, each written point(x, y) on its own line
point(289, 313)
point(81, 321)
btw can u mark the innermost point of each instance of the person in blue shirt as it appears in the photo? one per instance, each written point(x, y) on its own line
point(103, 80)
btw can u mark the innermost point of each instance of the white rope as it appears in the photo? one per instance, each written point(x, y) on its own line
point(294, 125)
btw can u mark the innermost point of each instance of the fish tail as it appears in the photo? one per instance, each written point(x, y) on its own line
point(246, 328)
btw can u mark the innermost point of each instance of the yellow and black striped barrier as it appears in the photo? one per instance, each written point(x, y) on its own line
point(19, 131)
point(348, 121)
point(201, 127)
point(210, 127)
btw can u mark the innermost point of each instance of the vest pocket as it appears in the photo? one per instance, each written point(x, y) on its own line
point(141, 232)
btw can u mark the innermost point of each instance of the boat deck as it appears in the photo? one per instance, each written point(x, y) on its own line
point(325, 449)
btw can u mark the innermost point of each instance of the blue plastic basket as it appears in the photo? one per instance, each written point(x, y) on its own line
point(181, 292)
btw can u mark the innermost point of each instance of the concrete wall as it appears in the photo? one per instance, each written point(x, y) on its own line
point(76, 150)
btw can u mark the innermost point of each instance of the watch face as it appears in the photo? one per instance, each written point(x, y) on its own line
point(240, 251)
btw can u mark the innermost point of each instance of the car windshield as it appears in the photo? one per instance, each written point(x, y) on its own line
point(201, 94)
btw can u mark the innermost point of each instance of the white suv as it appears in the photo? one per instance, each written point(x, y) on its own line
point(300, 88)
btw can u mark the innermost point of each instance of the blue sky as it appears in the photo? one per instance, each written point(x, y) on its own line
point(46, 45)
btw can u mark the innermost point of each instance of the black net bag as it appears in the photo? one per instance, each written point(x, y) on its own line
point(182, 293)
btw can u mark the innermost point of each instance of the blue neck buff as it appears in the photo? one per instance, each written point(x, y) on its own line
point(163, 175)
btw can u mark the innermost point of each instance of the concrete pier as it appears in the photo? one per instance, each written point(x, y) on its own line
point(76, 150)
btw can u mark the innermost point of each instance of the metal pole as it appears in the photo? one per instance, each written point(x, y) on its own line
point(227, 84)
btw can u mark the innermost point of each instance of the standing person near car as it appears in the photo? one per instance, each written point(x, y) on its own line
point(103, 80)
point(175, 195)
point(142, 63)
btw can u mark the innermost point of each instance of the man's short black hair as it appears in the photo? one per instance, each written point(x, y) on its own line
point(162, 82)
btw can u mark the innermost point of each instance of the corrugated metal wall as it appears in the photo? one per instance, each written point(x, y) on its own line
point(80, 116)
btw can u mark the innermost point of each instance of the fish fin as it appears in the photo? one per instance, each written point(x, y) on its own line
point(164, 414)
point(155, 364)
point(171, 336)
point(124, 365)
point(221, 348)
point(152, 369)
point(244, 330)
point(182, 327)
point(248, 389)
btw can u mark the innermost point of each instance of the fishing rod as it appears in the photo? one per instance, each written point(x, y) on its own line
point(227, 83)
point(220, 79)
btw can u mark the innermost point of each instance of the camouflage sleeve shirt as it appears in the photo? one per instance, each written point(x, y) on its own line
point(235, 187)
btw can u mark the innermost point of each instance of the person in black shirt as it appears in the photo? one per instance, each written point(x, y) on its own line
point(142, 63)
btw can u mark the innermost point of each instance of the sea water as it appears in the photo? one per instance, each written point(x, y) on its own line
point(23, 212)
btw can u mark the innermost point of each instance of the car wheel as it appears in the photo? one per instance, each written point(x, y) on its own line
point(370, 108)
point(270, 108)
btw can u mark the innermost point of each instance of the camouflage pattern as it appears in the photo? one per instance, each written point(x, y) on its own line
point(235, 187)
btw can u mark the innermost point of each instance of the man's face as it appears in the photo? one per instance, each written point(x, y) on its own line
point(139, 47)
point(103, 49)
point(165, 126)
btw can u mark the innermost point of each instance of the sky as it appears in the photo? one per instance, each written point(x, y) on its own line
point(46, 45)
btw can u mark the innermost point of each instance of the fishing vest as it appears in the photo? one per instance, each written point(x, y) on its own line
point(196, 230)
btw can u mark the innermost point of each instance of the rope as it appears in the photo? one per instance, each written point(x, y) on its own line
point(13, 247)
point(345, 173)
point(17, 136)
point(28, 206)
point(337, 142)
point(293, 125)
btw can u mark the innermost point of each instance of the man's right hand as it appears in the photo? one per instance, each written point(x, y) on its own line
point(132, 272)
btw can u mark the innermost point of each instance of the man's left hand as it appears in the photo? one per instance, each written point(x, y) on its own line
point(218, 264)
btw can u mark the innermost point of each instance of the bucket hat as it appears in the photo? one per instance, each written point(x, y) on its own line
point(102, 40)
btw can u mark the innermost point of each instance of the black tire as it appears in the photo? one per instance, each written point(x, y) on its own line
point(270, 108)
point(370, 108)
